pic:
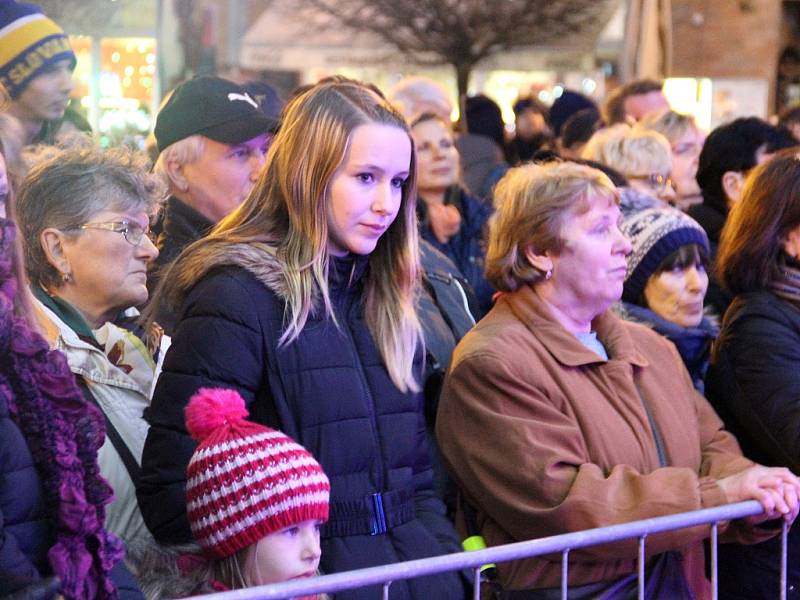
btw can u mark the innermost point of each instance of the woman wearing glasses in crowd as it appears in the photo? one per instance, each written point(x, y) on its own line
point(84, 217)
point(643, 157)
point(686, 141)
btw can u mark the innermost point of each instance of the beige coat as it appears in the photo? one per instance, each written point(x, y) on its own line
point(123, 400)
point(545, 438)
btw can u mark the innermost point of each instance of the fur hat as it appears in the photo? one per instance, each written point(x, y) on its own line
point(29, 44)
point(245, 480)
point(655, 233)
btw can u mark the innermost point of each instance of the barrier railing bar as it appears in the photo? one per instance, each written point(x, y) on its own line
point(641, 564)
point(565, 574)
point(469, 560)
point(784, 552)
point(714, 561)
point(476, 584)
point(386, 590)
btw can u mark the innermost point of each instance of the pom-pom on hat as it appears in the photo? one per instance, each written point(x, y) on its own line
point(29, 44)
point(655, 233)
point(245, 480)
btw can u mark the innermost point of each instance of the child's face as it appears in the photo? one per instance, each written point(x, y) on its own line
point(291, 553)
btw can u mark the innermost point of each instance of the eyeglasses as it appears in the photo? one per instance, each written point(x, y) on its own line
point(687, 149)
point(656, 181)
point(132, 231)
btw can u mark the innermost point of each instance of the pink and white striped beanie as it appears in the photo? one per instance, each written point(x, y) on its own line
point(245, 480)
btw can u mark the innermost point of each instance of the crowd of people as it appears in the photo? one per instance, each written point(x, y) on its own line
point(340, 332)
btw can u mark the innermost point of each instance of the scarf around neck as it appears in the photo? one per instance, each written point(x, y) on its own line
point(786, 283)
point(64, 433)
point(693, 343)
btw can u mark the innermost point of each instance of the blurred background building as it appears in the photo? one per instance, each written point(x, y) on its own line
point(720, 58)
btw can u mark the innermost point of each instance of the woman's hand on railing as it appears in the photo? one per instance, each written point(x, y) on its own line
point(776, 488)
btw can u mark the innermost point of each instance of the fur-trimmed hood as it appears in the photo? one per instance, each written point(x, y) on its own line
point(258, 258)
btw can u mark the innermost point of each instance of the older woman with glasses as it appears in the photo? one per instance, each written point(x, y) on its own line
point(686, 141)
point(643, 157)
point(84, 217)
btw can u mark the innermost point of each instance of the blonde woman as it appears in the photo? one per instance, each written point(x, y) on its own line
point(643, 157)
point(686, 141)
point(303, 300)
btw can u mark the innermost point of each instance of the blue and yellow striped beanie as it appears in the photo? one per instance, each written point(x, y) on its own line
point(29, 44)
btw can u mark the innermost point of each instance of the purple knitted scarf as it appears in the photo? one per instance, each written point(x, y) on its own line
point(64, 433)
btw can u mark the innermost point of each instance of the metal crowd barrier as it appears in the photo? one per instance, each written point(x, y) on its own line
point(386, 574)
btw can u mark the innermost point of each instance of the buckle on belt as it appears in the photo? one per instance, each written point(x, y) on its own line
point(378, 523)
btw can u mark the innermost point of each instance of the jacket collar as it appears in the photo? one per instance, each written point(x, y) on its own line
point(531, 310)
point(183, 223)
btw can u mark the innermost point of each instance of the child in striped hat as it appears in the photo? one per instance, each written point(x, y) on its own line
point(255, 498)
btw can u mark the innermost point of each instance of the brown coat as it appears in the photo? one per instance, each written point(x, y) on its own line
point(545, 437)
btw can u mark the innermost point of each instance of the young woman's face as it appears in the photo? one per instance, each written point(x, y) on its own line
point(677, 295)
point(365, 193)
point(437, 156)
point(292, 553)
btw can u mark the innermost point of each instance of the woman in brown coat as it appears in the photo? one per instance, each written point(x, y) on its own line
point(557, 416)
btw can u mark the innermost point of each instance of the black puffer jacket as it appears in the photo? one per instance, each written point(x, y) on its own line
point(754, 383)
point(328, 390)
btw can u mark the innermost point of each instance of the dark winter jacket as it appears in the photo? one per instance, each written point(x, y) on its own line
point(445, 317)
point(25, 530)
point(754, 383)
point(180, 225)
point(25, 534)
point(329, 390)
point(467, 248)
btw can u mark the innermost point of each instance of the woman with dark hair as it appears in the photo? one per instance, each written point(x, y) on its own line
point(481, 147)
point(666, 283)
point(753, 379)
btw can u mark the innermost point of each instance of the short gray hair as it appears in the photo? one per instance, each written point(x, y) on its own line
point(634, 152)
point(183, 152)
point(67, 190)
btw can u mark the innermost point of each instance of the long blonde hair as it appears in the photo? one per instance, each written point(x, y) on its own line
point(288, 208)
